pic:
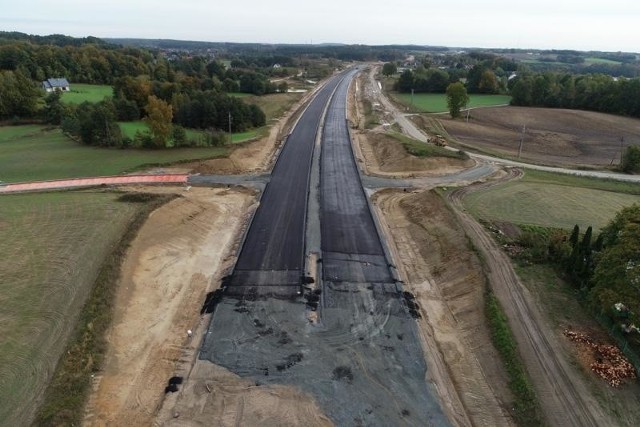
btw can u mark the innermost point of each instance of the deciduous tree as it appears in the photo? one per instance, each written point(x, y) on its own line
point(159, 116)
point(457, 98)
point(389, 69)
point(617, 275)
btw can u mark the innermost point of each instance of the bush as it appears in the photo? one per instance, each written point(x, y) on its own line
point(631, 159)
point(143, 140)
point(179, 136)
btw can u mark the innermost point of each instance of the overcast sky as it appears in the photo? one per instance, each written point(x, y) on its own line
point(612, 25)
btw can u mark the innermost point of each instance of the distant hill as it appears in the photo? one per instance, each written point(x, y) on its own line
point(53, 39)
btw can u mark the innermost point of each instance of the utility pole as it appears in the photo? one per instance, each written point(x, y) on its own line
point(613, 159)
point(524, 130)
point(621, 149)
point(468, 115)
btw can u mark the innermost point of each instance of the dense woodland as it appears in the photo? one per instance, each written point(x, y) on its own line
point(595, 92)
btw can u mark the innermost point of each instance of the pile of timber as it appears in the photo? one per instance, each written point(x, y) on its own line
point(610, 364)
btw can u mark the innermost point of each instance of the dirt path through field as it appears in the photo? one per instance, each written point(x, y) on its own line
point(563, 395)
point(167, 271)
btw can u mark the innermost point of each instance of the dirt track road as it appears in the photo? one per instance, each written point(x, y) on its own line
point(563, 395)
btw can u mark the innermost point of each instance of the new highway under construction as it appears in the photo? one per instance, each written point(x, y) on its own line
point(347, 335)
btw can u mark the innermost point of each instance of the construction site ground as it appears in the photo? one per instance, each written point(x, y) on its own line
point(428, 238)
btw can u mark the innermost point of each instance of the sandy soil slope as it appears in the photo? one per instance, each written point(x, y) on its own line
point(168, 270)
point(386, 157)
point(213, 396)
point(447, 279)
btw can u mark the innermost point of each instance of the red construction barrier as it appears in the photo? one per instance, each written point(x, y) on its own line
point(90, 182)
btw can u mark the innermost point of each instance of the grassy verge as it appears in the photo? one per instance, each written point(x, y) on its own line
point(420, 149)
point(274, 105)
point(581, 181)
point(37, 153)
point(67, 393)
point(526, 410)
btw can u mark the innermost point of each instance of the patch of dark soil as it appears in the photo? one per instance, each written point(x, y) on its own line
point(342, 373)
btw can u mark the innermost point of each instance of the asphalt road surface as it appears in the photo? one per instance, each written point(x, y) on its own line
point(361, 359)
point(271, 260)
point(351, 247)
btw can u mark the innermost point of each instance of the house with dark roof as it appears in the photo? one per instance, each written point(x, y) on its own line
point(51, 85)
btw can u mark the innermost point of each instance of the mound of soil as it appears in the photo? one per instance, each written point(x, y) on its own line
point(553, 136)
point(386, 156)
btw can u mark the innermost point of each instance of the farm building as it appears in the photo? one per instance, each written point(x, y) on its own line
point(51, 85)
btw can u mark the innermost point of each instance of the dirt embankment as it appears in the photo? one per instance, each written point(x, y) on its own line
point(385, 156)
point(169, 268)
point(447, 279)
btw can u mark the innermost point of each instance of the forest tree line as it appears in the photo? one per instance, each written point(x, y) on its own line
point(594, 92)
point(195, 89)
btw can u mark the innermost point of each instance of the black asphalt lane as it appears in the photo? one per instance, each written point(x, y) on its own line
point(271, 260)
point(351, 247)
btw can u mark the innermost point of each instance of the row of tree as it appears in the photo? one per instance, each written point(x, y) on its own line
point(596, 92)
point(606, 269)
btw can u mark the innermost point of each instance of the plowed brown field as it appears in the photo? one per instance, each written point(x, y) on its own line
point(553, 136)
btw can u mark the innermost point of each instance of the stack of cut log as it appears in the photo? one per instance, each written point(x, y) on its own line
point(610, 364)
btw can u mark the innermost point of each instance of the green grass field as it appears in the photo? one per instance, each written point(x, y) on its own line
point(437, 102)
point(52, 247)
point(274, 105)
point(545, 199)
point(130, 128)
point(32, 153)
point(80, 93)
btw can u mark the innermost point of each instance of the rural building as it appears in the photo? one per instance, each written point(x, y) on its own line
point(51, 85)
